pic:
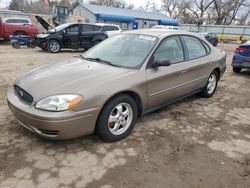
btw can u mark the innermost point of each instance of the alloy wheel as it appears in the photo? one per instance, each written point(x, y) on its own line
point(120, 118)
point(211, 83)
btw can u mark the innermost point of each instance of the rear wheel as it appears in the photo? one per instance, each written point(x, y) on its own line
point(53, 46)
point(117, 118)
point(211, 85)
point(16, 45)
point(236, 69)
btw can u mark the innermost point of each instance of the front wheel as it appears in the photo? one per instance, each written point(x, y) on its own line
point(53, 46)
point(211, 85)
point(117, 118)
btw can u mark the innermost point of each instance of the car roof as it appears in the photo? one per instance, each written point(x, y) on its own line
point(19, 18)
point(105, 24)
point(160, 33)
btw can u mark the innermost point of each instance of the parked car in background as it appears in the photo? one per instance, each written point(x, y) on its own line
point(109, 86)
point(211, 37)
point(68, 35)
point(17, 21)
point(109, 29)
point(166, 27)
point(241, 58)
point(7, 29)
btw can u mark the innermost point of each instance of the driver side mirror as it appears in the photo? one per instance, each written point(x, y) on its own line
point(161, 63)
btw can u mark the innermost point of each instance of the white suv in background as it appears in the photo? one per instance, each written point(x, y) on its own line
point(166, 27)
point(110, 29)
point(17, 21)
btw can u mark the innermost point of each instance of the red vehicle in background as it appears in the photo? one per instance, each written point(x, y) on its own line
point(7, 29)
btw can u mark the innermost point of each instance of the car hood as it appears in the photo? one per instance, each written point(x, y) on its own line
point(70, 76)
point(45, 24)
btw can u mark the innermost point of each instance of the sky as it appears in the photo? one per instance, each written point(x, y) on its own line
point(137, 3)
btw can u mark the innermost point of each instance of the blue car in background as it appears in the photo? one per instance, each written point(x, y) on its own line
point(241, 58)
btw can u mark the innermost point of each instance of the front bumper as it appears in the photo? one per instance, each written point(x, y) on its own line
point(53, 125)
point(39, 42)
point(241, 64)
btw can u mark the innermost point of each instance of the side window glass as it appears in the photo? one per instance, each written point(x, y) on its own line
point(96, 28)
point(207, 47)
point(73, 29)
point(170, 49)
point(194, 47)
point(106, 28)
point(87, 28)
point(114, 28)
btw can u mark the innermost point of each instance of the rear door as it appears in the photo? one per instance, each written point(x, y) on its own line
point(198, 66)
point(71, 36)
point(87, 33)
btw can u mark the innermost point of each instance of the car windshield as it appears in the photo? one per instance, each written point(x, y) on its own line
point(125, 50)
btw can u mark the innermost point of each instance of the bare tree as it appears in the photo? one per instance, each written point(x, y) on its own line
point(200, 8)
point(179, 10)
point(227, 11)
point(171, 7)
point(149, 6)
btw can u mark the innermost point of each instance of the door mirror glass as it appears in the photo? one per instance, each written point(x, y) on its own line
point(161, 63)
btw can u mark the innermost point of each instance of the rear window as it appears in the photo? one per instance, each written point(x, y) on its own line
point(195, 47)
point(110, 28)
point(17, 21)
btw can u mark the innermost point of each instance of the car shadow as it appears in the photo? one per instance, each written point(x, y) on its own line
point(244, 72)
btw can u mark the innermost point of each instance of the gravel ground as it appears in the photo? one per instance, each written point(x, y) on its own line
point(197, 142)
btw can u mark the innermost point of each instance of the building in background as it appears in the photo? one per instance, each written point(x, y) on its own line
point(126, 18)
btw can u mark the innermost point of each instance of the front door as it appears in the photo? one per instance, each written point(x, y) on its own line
point(166, 83)
point(71, 37)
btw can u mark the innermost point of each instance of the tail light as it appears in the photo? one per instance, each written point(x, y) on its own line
point(240, 50)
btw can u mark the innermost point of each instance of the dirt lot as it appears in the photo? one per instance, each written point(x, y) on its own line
point(195, 143)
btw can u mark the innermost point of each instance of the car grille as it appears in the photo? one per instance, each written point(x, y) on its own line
point(22, 94)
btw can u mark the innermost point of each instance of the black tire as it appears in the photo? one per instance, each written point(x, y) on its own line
point(205, 92)
point(16, 45)
point(54, 46)
point(215, 43)
point(103, 126)
point(236, 69)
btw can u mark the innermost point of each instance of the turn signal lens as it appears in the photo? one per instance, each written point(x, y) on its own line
point(75, 102)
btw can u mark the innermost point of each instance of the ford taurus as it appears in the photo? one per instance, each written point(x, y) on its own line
point(105, 89)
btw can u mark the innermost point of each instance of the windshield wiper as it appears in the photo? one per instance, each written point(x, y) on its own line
point(99, 60)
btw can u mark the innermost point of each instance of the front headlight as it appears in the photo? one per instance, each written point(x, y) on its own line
point(59, 102)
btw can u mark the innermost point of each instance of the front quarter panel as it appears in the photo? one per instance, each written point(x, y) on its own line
point(98, 94)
